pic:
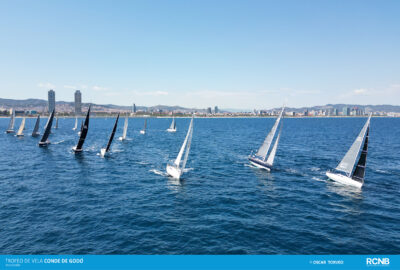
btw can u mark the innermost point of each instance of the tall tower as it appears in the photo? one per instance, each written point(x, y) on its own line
point(134, 108)
point(52, 100)
point(216, 110)
point(78, 102)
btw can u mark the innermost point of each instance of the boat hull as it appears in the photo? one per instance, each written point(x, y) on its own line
point(10, 131)
point(35, 134)
point(174, 171)
point(260, 164)
point(343, 179)
point(77, 150)
point(142, 132)
point(102, 152)
point(20, 135)
point(44, 144)
point(121, 138)
point(171, 130)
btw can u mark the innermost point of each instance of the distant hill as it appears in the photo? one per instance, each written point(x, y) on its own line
point(41, 105)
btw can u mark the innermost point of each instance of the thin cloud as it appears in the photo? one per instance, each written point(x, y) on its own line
point(46, 85)
point(70, 87)
point(99, 88)
point(151, 93)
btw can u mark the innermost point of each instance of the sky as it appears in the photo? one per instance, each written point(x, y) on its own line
point(235, 54)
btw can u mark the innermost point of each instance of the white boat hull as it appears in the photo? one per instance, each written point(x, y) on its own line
point(142, 132)
point(343, 179)
point(174, 172)
point(171, 130)
point(77, 150)
point(44, 143)
point(121, 138)
point(103, 152)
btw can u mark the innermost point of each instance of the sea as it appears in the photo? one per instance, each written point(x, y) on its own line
point(53, 201)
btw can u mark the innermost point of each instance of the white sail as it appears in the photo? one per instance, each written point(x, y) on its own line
point(187, 149)
point(12, 119)
point(262, 152)
point(125, 128)
point(76, 123)
point(179, 157)
point(349, 160)
point(21, 127)
point(172, 126)
point(271, 156)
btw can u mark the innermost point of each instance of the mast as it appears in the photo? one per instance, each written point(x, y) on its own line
point(36, 128)
point(84, 131)
point(346, 165)
point(112, 134)
point(359, 172)
point(47, 130)
point(263, 150)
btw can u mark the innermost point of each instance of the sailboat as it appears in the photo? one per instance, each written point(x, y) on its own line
point(103, 151)
point(176, 169)
point(143, 131)
point(84, 131)
point(47, 130)
point(20, 132)
point(35, 132)
point(10, 128)
point(56, 127)
point(76, 124)
point(172, 127)
point(260, 159)
point(123, 137)
point(80, 131)
point(347, 172)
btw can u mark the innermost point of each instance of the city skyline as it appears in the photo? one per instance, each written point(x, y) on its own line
point(231, 53)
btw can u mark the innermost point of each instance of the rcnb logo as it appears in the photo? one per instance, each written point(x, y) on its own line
point(378, 261)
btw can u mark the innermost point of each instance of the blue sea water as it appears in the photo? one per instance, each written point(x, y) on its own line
point(55, 202)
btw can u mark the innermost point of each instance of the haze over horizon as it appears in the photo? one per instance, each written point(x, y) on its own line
point(233, 54)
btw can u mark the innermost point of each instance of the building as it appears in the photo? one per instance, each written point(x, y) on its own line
point(134, 108)
point(209, 110)
point(216, 110)
point(52, 100)
point(78, 102)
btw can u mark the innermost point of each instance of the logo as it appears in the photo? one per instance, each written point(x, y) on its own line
point(378, 261)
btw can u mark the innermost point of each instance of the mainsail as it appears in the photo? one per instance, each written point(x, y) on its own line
point(184, 146)
point(84, 131)
point(349, 160)
point(11, 124)
point(271, 156)
point(262, 152)
point(173, 125)
point(56, 123)
point(76, 123)
point(36, 128)
point(359, 172)
point(125, 128)
point(21, 127)
point(112, 134)
point(47, 129)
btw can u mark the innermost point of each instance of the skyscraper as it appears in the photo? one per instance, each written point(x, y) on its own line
point(52, 100)
point(209, 110)
point(78, 102)
point(134, 108)
point(216, 110)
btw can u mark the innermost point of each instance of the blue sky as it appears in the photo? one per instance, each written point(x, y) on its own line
point(234, 54)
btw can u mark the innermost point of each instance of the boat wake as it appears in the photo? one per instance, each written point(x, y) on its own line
point(315, 169)
point(188, 169)
point(58, 142)
point(158, 172)
point(318, 179)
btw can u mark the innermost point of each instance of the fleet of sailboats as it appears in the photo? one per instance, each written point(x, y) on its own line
point(260, 159)
point(347, 172)
point(177, 168)
point(123, 137)
point(172, 127)
point(104, 151)
point(350, 171)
